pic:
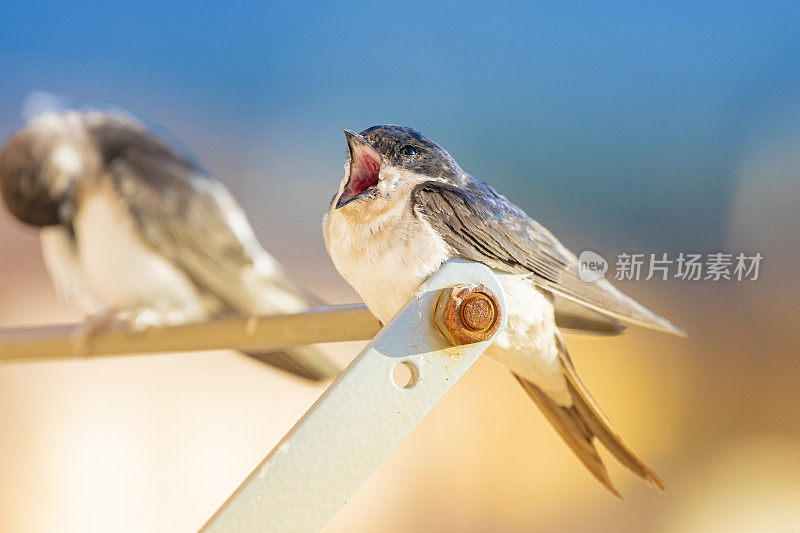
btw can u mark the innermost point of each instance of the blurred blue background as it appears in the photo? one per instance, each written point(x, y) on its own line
point(585, 114)
point(657, 127)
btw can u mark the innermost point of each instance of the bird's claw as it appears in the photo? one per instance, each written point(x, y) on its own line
point(107, 320)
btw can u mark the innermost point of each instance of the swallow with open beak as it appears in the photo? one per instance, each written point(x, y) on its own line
point(405, 207)
point(135, 229)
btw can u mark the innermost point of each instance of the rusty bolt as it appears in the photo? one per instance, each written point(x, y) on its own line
point(467, 313)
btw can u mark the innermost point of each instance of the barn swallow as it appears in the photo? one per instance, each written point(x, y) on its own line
point(405, 207)
point(132, 226)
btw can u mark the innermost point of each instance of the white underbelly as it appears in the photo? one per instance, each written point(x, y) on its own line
point(527, 346)
point(386, 268)
point(123, 272)
point(384, 298)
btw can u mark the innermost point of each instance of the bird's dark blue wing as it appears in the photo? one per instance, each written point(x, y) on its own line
point(480, 224)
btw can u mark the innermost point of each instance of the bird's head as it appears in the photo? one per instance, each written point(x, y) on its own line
point(39, 168)
point(386, 162)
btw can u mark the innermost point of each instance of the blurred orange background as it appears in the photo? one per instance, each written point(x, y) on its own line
point(643, 130)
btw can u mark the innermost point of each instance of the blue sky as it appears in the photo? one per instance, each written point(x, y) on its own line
point(629, 119)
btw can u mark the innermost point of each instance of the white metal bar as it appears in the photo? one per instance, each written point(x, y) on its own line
point(258, 334)
point(359, 420)
point(328, 324)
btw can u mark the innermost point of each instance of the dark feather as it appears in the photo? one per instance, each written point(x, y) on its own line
point(304, 361)
point(572, 317)
point(482, 225)
point(183, 213)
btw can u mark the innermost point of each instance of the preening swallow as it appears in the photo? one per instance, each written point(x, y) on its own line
point(405, 207)
point(133, 227)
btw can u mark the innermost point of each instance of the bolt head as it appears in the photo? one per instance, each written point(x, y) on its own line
point(477, 312)
point(467, 313)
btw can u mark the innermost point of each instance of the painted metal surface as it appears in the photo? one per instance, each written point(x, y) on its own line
point(360, 419)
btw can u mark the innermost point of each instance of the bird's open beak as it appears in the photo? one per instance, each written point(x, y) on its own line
point(365, 168)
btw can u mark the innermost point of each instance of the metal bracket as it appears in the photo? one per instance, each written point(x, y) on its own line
point(363, 416)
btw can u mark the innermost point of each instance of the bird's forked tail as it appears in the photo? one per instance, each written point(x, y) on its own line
point(582, 422)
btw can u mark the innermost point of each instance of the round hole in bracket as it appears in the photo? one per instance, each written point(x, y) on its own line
point(404, 375)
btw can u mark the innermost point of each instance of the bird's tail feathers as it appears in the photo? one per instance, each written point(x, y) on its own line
point(582, 422)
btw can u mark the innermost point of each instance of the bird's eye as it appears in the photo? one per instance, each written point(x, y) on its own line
point(408, 151)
